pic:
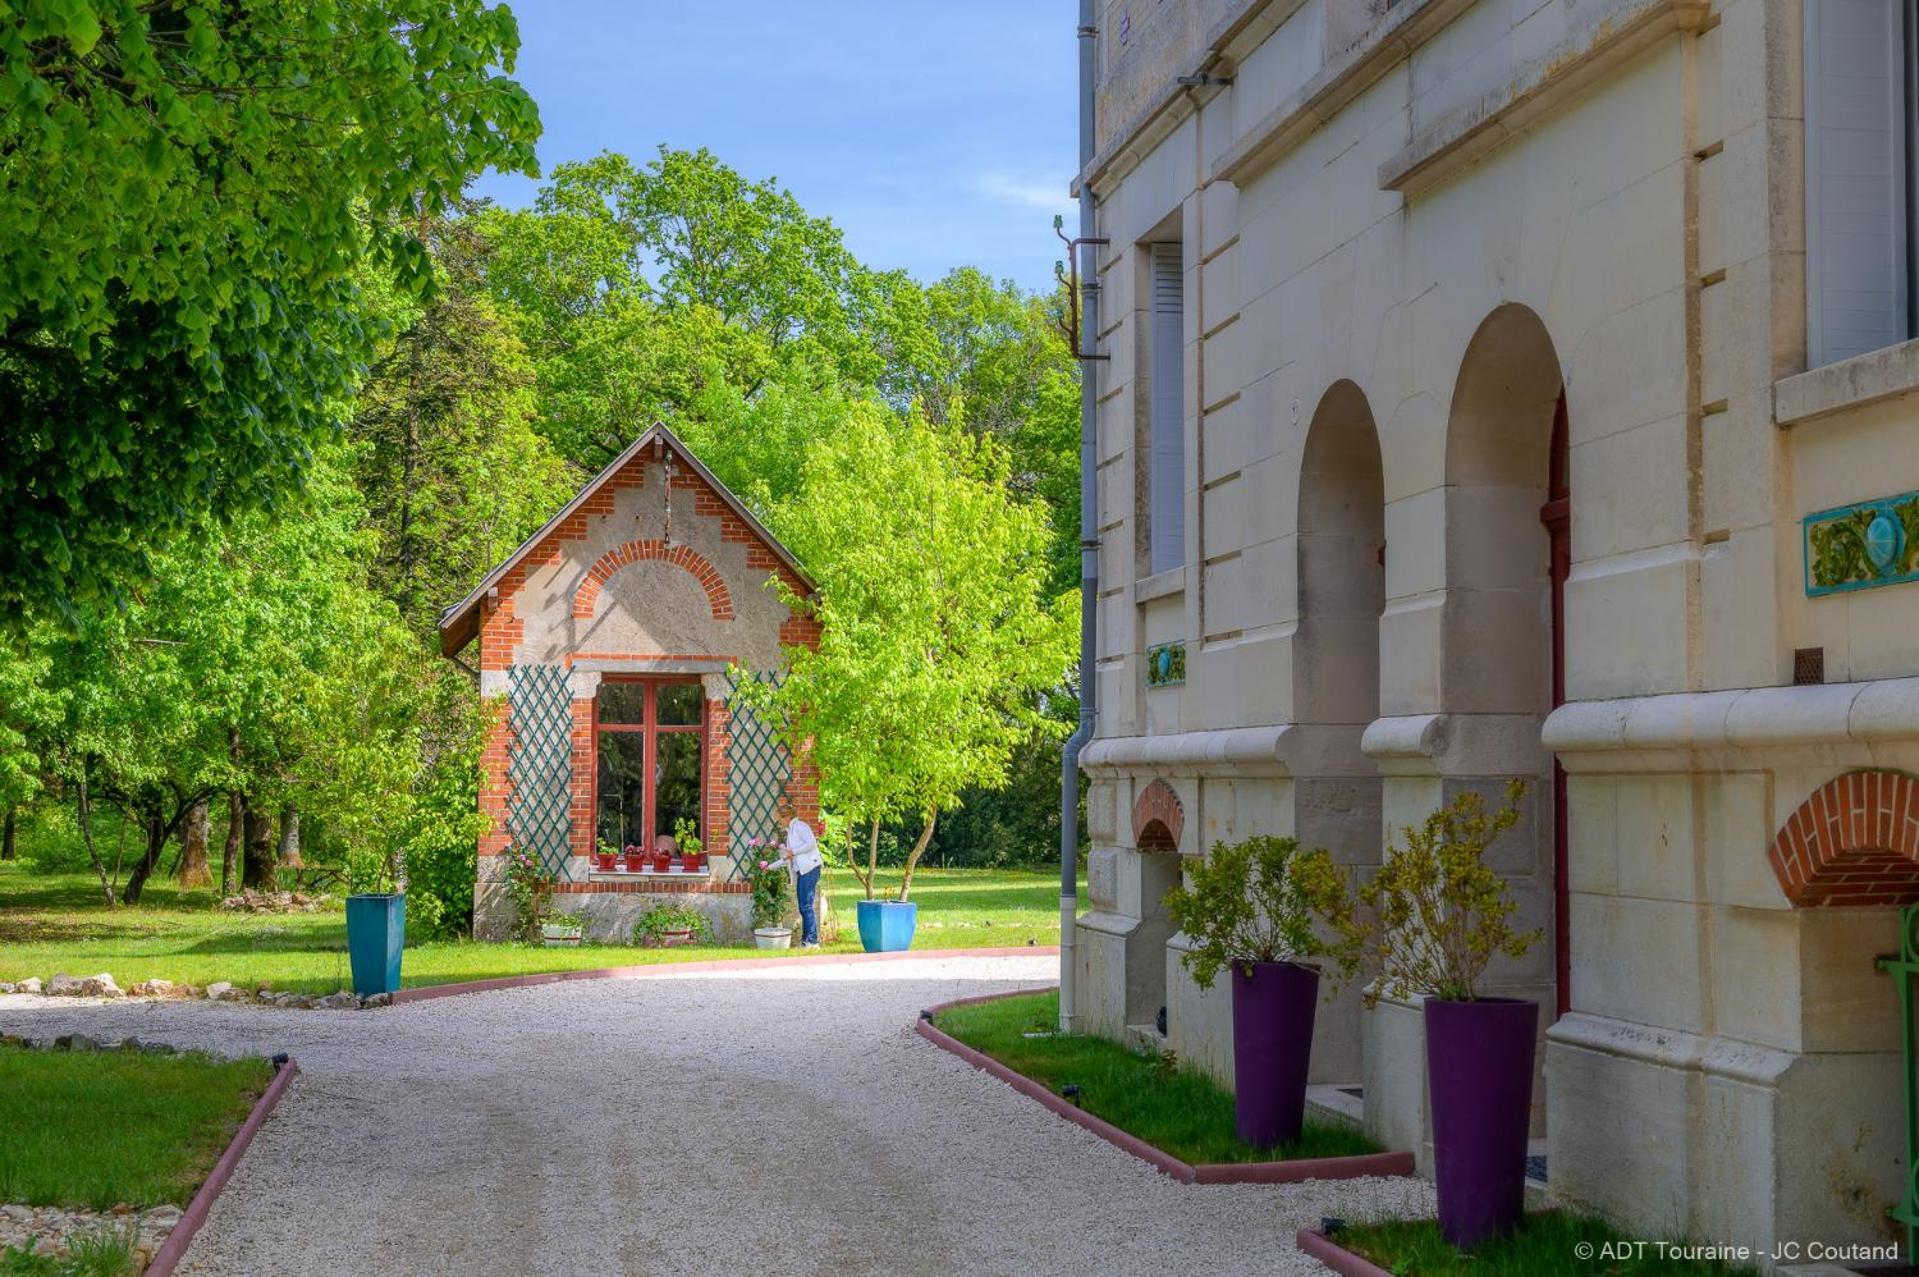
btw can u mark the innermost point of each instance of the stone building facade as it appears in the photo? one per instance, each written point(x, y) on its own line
point(1496, 389)
point(612, 644)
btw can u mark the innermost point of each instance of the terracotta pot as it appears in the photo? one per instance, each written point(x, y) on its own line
point(603, 861)
point(661, 862)
point(695, 862)
point(635, 861)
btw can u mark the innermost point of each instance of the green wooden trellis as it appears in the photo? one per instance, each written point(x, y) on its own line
point(1903, 968)
point(539, 812)
point(759, 768)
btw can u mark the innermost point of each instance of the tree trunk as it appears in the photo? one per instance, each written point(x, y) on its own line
point(919, 849)
point(872, 860)
point(86, 836)
point(156, 843)
point(6, 837)
point(230, 855)
point(192, 871)
point(290, 838)
point(257, 872)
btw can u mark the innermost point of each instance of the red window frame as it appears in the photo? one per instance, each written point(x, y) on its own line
point(650, 728)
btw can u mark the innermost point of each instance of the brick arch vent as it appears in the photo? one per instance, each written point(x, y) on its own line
point(718, 598)
point(1854, 842)
point(1157, 803)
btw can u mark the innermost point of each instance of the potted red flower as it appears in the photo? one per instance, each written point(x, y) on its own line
point(635, 859)
point(604, 857)
point(1438, 913)
point(663, 856)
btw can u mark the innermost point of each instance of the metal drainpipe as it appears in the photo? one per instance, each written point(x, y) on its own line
point(1088, 537)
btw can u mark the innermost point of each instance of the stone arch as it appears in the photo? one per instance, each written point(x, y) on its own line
point(1496, 645)
point(718, 598)
point(1157, 804)
point(1855, 841)
point(1341, 559)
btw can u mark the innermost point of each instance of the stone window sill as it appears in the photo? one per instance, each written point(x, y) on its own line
point(1161, 585)
point(647, 875)
point(1850, 383)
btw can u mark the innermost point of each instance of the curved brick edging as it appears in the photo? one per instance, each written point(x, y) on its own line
point(427, 992)
point(1337, 1257)
point(174, 1249)
point(1207, 1173)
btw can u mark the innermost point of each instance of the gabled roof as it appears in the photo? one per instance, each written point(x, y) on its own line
point(459, 623)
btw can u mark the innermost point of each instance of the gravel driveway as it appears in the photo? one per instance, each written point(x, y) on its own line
point(783, 1120)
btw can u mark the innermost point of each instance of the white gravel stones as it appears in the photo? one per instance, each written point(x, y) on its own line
point(694, 1123)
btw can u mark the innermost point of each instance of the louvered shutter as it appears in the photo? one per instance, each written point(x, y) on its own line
point(1856, 179)
point(1167, 526)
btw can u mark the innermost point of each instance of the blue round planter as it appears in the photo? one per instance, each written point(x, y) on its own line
point(886, 926)
point(375, 934)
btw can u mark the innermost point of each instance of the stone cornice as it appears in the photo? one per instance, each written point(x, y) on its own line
point(1447, 146)
point(1874, 724)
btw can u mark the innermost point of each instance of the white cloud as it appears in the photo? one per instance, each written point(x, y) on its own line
point(1049, 196)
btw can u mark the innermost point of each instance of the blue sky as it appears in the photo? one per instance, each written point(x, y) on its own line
point(935, 134)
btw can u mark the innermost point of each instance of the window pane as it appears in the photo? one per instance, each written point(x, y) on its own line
point(622, 702)
point(677, 765)
point(680, 705)
point(622, 814)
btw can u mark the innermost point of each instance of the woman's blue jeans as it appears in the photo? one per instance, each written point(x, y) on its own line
point(809, 917)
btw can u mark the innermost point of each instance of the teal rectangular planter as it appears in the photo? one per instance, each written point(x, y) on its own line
point(886, 926)
point(375, 932)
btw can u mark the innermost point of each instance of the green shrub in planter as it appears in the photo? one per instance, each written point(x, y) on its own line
point(653, 926)
point(1252, 906)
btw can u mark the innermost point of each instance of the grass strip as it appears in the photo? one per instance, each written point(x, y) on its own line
point(1176, 1109)
point(92, 1129)
point(1544, 1244)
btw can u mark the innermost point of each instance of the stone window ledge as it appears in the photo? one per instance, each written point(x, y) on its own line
point(1161, 585)
point(1850, 383)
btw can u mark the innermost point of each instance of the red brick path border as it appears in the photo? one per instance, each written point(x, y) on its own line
point(174, 1248)
point(1337, 1257)
point(1159, 1159)
point(1854, 842)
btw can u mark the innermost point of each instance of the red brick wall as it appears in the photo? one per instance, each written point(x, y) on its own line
point(1854, 842)
point(502, 630)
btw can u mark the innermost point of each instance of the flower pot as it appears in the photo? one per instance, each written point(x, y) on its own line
point(773, 937)
point(635, 862)
point(560, 937)
point(375, 933)
point(662, 863)
point(1273, 1005)
point(603, 861)
point(886, 926)
point(695, 862)
point(1479, 1070)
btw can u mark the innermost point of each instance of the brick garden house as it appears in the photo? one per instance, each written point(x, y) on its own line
point(612, 645)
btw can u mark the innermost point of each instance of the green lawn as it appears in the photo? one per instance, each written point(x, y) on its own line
point(56, 922)
point(96, 1128)
point(1553, 1242)
point(1177, 1110)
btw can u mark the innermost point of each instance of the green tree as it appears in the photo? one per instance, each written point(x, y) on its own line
point(447, 458)
point(187, 192)
point(938, 635)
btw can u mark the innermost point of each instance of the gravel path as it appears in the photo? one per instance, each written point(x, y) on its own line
point(785, 1120)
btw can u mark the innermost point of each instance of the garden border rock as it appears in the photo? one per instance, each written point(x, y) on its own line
point(168, 1257)
point(1293, 1172)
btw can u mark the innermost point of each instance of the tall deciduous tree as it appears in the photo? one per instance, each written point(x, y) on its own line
point(940, 638)
point(187, 191)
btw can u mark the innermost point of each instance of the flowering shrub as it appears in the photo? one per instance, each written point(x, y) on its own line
point(529, 884)
point(769, 882)
point(1438, 911)
point(1255, 901)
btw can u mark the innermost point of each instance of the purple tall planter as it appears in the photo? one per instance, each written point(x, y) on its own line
point(1273, 1005)
point(1479, 1068)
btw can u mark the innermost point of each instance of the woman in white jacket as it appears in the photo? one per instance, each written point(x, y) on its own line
point(801, 850)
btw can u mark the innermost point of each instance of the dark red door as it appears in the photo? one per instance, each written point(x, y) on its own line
point(1556, 514)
